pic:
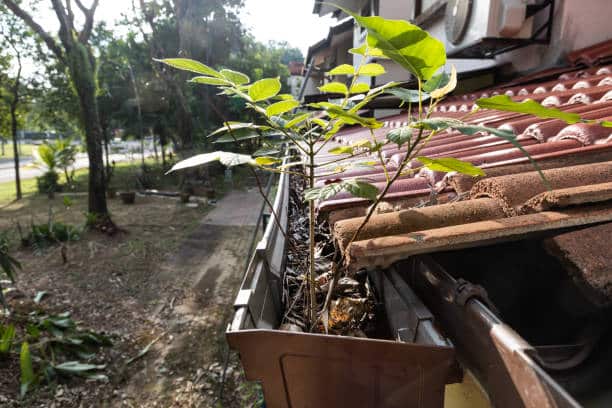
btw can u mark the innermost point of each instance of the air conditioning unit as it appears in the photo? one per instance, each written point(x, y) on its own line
point(475, 26)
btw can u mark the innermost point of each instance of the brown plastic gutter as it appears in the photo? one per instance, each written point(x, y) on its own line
point(306, 370)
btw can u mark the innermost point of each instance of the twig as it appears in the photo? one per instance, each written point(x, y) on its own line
point(145, 350)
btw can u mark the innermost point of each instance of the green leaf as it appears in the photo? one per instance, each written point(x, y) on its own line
point(442, 123)
point(448, 164)
point(264, 89)
point(281, 107)
point(447, 88)
point(298, 119)
point(235, 93)
point(362, 143)
point(371, 69)
point(6, 340)
point(606, 123)
point(290, 164)
point(405, 43)
point(445, 123)
point(368, 51)
point(210, 81)
point(238, 135)
point(344, 69)
point(334, 87)
point(401, 135)
point(361, 189)
point(233, 126)
point(348, 117)
point(187, 64)
point(226, 158)
point(235, 77)
point(89, 371)
point(27, 371)
point(283, 97)
point(341, 150)
point(320, 122)
point(384, 87)
point(239, 131)
point(408, 95)
point(436, 81)
point(266, 160)
point(39, 296)
point(265, 152)
point(528, 106)
point(356, 188)
point(359, 87)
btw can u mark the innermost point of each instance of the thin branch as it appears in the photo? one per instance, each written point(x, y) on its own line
point(69, 12)
point(371, 211)
point(27, 18)
point(89, 20)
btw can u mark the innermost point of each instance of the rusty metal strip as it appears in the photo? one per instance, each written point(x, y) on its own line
point(383, 252)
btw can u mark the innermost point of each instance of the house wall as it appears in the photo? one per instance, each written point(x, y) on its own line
point(576, 24)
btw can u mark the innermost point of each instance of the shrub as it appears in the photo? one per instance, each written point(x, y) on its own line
point(44, 235)
point(8, 264)
point(48, 182)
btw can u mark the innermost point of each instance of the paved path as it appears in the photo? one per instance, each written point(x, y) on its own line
point(211, 261)
point(7, 170)
point(238, 207)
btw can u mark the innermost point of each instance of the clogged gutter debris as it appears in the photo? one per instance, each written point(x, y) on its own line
point(352, 308)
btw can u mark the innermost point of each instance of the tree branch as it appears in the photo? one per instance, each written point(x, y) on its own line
point(65, 31)
point(89, 20)
point(69, 12)
point(51, 44)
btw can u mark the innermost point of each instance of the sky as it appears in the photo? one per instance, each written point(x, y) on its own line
point(289, 20)
point(268, 20)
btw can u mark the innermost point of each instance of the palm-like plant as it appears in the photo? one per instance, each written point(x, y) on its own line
point(59, 154)
point(65, 154)
point(45, 157)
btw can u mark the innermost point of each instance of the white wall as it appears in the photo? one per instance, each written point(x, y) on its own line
point(576, 24)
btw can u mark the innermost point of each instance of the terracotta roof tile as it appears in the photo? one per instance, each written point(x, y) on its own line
point(594, 55)
point(511, 202)
point(586, 255)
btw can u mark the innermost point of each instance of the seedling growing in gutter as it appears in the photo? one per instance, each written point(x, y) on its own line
point(309, 129)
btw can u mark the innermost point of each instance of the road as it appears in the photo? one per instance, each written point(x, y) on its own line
point(28, 171)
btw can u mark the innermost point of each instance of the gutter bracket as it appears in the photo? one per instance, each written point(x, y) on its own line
point(465, 291)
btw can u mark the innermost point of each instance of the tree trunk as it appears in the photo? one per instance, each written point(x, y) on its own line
point(184, 118)
point(107, 168)
point(13, 109)
point(15, 145)
point(82, 73)
point(154, 146)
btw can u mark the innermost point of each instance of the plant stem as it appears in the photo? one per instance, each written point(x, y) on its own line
point(311, 238)
point(371, 211)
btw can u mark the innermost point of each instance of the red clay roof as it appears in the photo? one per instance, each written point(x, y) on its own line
point(511, 201)
point(587, 92)
point(595, 55)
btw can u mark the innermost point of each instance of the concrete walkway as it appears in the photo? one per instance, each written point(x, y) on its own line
point(238, 207)
point(211, 260)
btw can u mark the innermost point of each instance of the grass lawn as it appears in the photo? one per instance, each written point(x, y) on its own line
point(24, 150)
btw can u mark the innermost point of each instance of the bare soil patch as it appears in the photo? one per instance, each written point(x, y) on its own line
point(169, 278)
